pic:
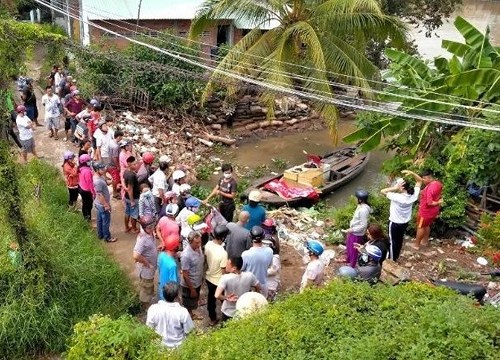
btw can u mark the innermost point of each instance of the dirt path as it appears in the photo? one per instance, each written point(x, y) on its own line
point(52, 151)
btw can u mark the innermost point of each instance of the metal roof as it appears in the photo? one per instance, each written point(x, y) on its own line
point(150, 9)
point(153, 10)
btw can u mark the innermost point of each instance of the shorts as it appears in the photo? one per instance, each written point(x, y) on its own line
point(67, 124)
point(32, 112)
point(146, 290)
point(190, 303)
point(28, 146)
point(114, 173)
point(423, 221)
point(52, 123)
point(133, 212)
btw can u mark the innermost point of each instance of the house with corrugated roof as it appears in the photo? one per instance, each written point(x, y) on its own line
point(129, 17)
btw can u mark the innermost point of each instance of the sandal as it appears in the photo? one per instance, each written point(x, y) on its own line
point(112, 240)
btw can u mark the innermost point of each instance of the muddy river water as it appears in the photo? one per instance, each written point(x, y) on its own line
point(290, 147)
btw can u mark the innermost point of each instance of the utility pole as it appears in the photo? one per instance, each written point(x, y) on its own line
point(138, 15)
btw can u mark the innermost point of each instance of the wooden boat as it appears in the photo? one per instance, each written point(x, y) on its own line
point(342, 165)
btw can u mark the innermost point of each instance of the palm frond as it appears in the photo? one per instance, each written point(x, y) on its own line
point(343, 58)
point(345, 7)
point(251, 11)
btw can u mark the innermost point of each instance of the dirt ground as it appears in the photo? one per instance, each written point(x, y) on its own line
point(51, 151)
point(443, 259)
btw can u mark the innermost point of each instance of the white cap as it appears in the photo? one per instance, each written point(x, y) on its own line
point(171, 209)
point(165, 159)
point(254, 195)
point(184, 188)
point(178, 174)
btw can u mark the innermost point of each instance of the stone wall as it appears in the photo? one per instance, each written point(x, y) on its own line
point(249, 114)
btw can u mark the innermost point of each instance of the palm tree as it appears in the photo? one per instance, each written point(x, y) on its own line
point(319, 36)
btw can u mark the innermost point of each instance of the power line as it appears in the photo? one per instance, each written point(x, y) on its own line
point(310, 79)
point(287, 90)
point(317, 70)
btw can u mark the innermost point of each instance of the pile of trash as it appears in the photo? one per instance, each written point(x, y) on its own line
point(296, 226)
point(184, 139)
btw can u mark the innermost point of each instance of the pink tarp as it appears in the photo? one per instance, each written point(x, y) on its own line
point(288, 192)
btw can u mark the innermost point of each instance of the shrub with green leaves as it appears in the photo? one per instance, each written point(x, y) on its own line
point(489, 231)
point(356, 321)
point(65, 274)
point(124, 338)
point(378, 203)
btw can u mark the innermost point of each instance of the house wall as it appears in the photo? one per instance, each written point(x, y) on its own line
point(128, 28)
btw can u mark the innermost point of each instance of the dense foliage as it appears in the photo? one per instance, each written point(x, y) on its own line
point(428, 14)
point(64, 274)
point(340, 321)
point(465, 87)
point(170, 82)
point(104, 338)
point(303, 45)
point(349, 321)
point(489, 232)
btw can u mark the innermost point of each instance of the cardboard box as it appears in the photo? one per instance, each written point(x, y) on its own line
point(290, 175)
point(312, 177)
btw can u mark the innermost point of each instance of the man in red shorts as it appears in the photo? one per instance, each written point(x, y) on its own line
point(429, 208)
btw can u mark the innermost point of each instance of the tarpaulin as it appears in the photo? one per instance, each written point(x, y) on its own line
point(288, 192)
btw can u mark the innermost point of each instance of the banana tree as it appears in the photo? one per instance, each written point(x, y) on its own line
point(471, 77)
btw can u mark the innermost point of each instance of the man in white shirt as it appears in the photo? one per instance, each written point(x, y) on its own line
point(25, 127)
point(52, 105)
point(168, 318)
point(313, 276)
point(103, 137)
point(58, 77)
point(159, 183)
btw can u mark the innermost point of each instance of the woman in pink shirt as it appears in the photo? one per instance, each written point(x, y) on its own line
point(86, 185)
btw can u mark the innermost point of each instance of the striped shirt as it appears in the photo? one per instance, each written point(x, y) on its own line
point(82, 130)
point(147, 205)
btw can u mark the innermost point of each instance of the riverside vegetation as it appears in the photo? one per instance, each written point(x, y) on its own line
point(343, 320)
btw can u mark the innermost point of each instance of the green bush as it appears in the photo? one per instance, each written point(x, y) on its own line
point(489, 231)
point(378, 203)
point(65, 274)
point(124, 338)
point(356, 321)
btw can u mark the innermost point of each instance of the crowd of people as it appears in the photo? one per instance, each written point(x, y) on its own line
point(177, 250)
point(367, 246)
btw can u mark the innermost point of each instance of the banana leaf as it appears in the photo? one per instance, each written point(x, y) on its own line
point(417, 65)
